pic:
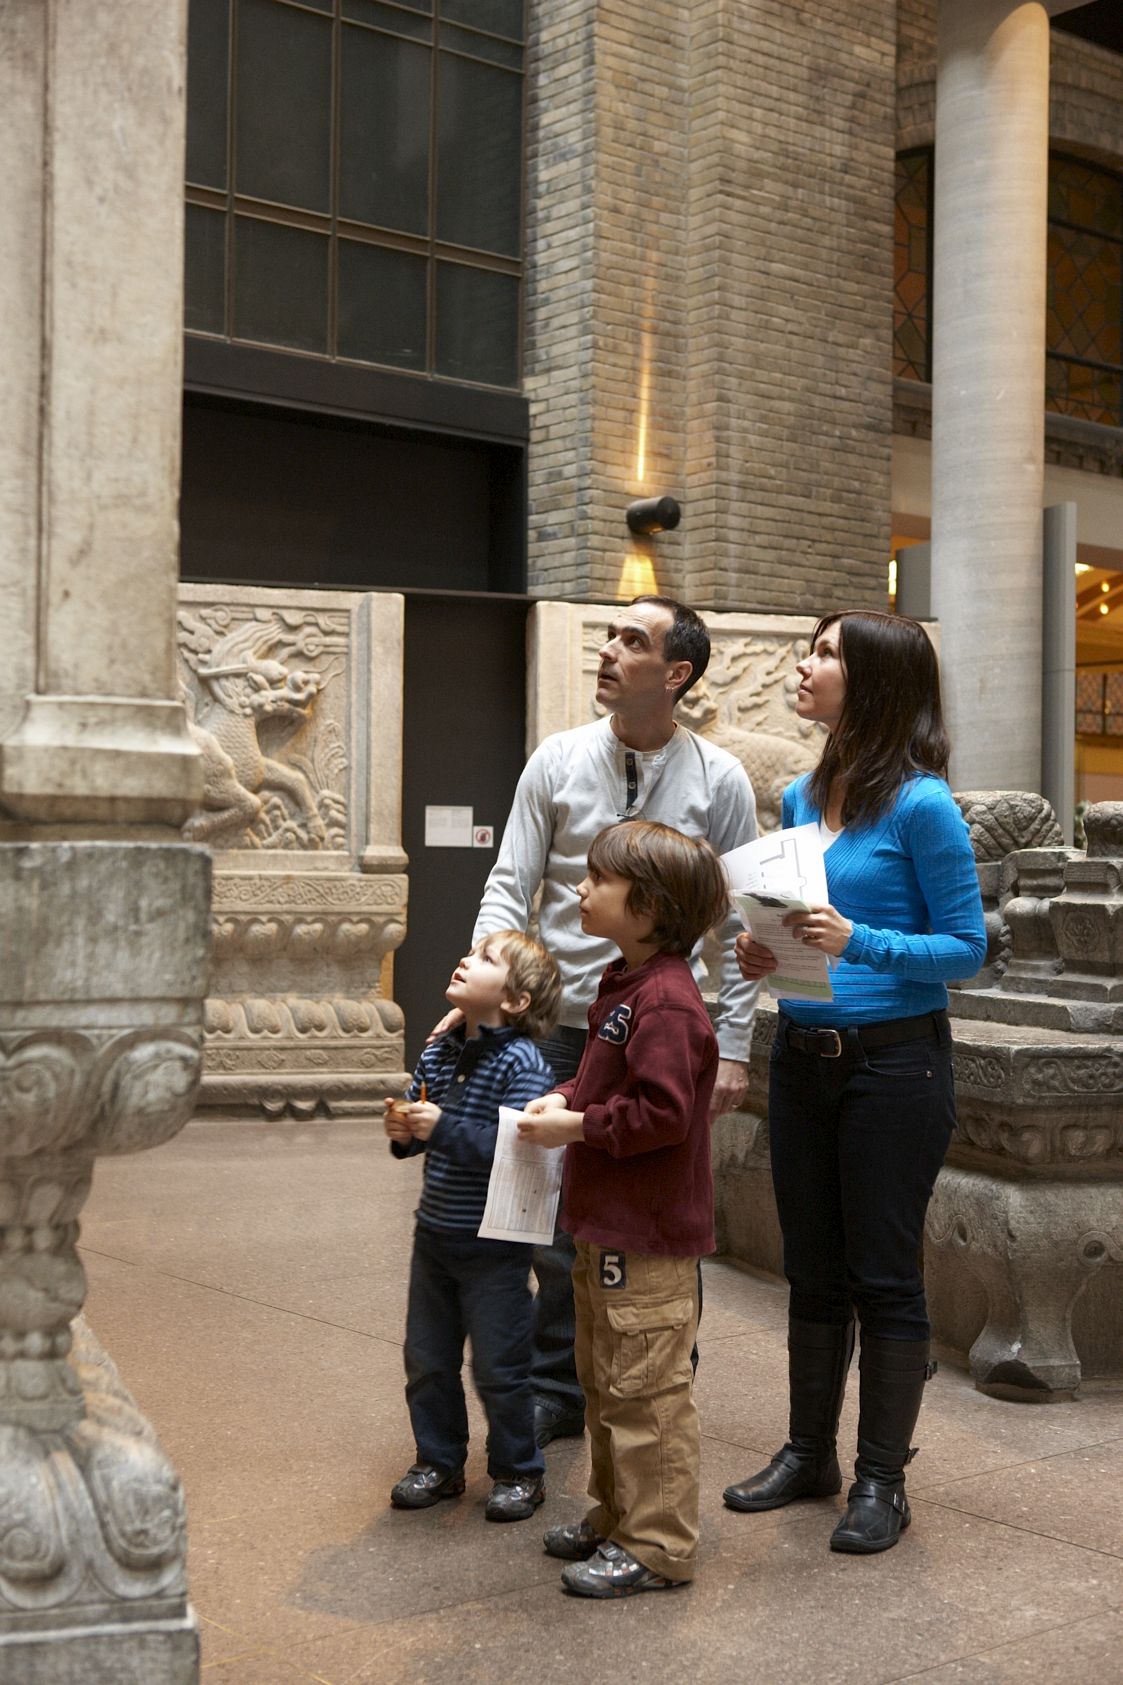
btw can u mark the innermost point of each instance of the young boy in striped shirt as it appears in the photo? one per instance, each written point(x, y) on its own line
point(509, 990)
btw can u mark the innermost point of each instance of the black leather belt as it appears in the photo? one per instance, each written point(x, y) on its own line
point(828, 1044)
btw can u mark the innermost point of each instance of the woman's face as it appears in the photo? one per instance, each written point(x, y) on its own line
point(822, 680)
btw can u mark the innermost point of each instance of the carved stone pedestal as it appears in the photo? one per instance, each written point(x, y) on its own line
point(101, 996)
point(1033, 1247)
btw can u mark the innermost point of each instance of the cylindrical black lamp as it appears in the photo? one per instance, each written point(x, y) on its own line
point(653, 514)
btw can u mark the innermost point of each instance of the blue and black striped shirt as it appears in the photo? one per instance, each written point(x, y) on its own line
point(469, 1078)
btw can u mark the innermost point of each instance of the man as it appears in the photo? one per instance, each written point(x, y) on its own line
point(635, 763)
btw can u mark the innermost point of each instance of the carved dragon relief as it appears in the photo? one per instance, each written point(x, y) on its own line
point(268, 726)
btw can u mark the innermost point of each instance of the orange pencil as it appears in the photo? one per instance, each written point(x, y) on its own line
point(424, 1093)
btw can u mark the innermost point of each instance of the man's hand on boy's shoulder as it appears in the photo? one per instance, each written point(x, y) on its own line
point(445, 1024)
point(551, 1125)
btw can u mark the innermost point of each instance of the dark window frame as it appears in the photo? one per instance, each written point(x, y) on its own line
point(235, 206)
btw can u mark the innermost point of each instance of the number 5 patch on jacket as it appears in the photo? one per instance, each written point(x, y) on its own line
point(616, 1026)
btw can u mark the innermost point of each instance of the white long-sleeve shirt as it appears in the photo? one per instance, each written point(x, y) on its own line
point(575, 784)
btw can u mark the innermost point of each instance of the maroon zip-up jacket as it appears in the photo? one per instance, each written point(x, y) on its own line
point(640, 1181)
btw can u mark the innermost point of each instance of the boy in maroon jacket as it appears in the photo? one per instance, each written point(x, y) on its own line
point(638, 1199)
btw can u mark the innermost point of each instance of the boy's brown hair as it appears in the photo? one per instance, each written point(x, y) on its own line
point(677, 881)
point(531, 970)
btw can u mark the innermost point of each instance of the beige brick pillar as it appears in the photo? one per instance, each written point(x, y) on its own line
point(709, 300)
point(992, 136)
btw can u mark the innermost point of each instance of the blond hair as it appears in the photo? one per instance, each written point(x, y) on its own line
point(531, 970)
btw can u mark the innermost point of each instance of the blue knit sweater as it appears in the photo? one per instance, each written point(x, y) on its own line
point(469, 1078)
point(909, 885)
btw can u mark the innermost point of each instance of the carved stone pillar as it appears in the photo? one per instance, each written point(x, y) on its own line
point(104, 930)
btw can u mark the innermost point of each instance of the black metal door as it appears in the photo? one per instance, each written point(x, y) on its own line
point(463, 745)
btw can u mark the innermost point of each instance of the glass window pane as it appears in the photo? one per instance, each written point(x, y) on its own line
point(205, 270)
point(283, 105)
point(479, 156)
point(384, 132)
point(502, 17)
point(481, 46)
point(280, 285)
point(477, 325)
point(389, 17)
point(382, 313)
point(208, 66)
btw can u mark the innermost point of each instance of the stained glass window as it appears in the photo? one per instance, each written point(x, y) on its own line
point(912, 280)
point(1084, 316)
point(1084, 313)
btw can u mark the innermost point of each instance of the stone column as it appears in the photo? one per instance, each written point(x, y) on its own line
point(992, 135)
point(104, 910)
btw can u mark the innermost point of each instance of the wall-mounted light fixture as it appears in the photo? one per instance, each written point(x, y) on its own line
point(653, 514)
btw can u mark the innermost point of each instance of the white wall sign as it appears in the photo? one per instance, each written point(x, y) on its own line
point(448, 827)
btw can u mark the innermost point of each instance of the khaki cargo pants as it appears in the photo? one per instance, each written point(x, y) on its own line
point(636, 1319)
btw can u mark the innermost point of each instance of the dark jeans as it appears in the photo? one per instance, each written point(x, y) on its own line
point(857, 1143)
point(553, 1371)
point(460, 1285)
point(553, 1368)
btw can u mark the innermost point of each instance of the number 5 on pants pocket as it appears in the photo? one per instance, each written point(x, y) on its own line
point(613, 1269)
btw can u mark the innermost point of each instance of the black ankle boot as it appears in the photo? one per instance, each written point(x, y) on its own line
point(892, 1376)
point(807, 1466)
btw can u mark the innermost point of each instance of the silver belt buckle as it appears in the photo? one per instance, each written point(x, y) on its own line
point(836, 1051)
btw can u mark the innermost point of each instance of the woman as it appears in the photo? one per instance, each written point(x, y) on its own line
point(861, 1104)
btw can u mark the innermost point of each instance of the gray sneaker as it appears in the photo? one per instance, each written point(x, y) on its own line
point(613, 1572)
point(573, 1542)
point(515, 1500)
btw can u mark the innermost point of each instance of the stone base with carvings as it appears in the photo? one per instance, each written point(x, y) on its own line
point(1024, 1240)
point(93, 1544)
point(295, 1023)
point(100, 1053)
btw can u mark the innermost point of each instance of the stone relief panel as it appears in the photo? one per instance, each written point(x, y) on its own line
point(295, 702)
point(745, 702)
point(265, 692)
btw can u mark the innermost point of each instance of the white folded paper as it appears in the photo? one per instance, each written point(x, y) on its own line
point(782, 873)
point(525, 1187)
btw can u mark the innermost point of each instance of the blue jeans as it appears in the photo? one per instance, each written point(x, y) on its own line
point(553, 1370)
point(460, 1285)
point(857, 1144)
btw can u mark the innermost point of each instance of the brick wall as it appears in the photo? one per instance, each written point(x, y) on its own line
point(710, 241)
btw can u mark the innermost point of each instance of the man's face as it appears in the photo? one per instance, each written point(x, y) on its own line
point(633, 670)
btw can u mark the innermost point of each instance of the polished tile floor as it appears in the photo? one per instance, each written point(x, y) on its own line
point(249, 1281)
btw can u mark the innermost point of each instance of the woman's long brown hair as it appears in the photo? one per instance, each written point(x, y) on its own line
point(892, 723)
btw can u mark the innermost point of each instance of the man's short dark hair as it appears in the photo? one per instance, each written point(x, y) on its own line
point(677, 881)
point(686, 639)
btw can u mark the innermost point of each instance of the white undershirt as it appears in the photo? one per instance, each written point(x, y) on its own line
point(827, 836)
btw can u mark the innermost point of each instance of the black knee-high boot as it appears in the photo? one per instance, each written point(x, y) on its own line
point(807, 1466)
point(892, 1376)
